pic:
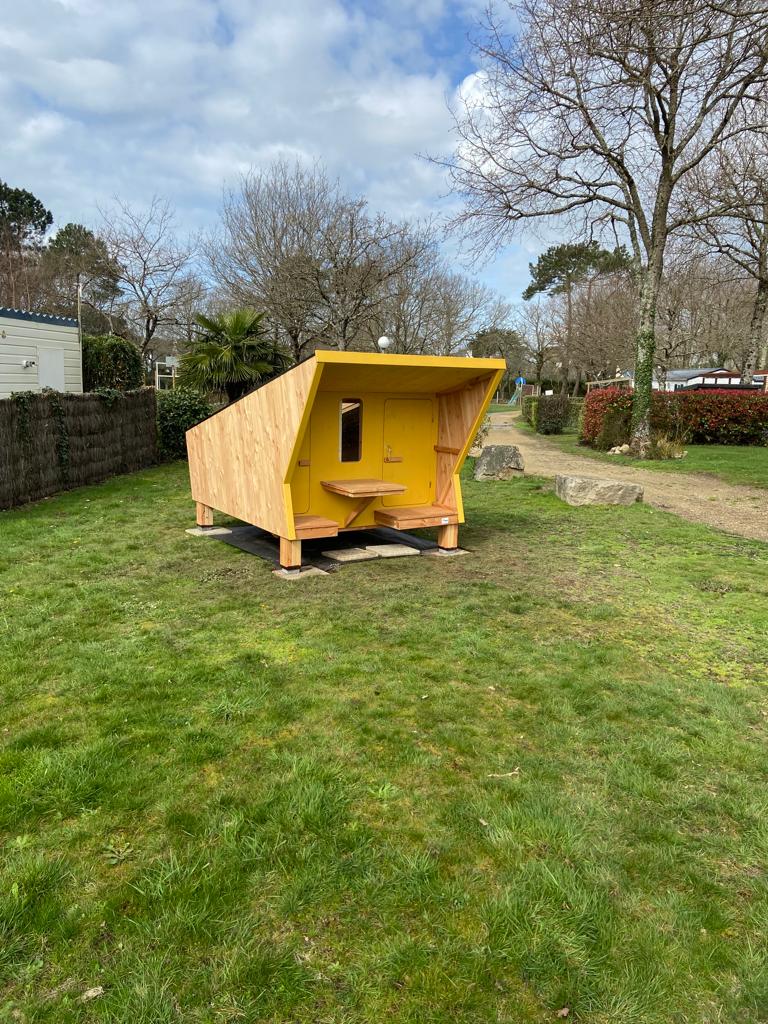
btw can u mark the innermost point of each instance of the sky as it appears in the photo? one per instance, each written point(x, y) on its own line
point(177, 98)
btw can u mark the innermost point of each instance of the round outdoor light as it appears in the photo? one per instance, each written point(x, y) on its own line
point(383, 343)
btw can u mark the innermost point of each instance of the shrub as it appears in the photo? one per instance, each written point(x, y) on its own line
point(663, 447)
point(110, 362)
point(529, 409)
point(596, 404)
point(177, 411)
point(616, 428)
point(552, 414)
point(575, 414)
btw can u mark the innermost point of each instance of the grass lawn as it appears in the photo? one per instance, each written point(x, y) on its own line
point(738, 464)
point(482, 789)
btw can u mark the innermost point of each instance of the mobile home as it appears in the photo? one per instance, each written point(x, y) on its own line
point(39, 351)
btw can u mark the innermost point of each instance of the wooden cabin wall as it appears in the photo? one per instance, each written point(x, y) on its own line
point(460, 413)
point(240, 457)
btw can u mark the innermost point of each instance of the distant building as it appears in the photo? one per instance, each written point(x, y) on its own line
point(709, 379)
point(679, 380)
point(696, 378)
point(39, 351)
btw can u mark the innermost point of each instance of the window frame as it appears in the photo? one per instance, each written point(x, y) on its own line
point(358, 406)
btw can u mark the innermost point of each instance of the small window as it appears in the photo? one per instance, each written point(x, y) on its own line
point(351, 429)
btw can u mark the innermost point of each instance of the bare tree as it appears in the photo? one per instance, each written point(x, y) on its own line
point(261, 257)
point(154, 269)
point(407, 312)
point(603, 326)
point(596, 111)
point(730, 192)
point(540, 326)
point(357, 255)
point(429, 309)
point(462, 307)
point(316, 260)
point(703, 314)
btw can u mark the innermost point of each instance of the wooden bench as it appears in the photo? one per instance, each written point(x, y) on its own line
point(415, 516)
point(308, 527)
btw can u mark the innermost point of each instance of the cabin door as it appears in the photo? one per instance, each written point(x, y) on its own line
point(409, 456)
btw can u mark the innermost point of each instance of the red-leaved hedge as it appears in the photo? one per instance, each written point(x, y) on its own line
point(698, 417)
point(596, 405)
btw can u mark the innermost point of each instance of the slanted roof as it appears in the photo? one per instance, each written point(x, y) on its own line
point(693, 371)
point(379, 371)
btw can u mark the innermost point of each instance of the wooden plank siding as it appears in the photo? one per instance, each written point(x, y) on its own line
point(240, 457)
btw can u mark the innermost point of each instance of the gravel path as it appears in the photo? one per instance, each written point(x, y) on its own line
point(695, 496)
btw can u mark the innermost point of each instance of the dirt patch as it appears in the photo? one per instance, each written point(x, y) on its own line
point(694, 496)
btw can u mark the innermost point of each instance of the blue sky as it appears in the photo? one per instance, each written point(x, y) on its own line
point(179, 97)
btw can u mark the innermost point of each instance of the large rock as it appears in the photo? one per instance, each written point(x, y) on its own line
point(499, 462)
point(591, 490)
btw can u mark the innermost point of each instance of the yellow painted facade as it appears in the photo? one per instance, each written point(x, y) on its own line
point(402, 428)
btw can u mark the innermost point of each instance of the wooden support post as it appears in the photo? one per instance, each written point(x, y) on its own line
point(448, 536)
point(361, 506)
point(290, 553)
point(204, 514)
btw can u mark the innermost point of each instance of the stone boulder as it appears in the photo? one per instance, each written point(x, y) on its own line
point(591, 490)
point(499, 462)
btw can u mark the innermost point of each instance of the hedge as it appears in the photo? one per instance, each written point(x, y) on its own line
point(529, 409)
point(712, 417)
point(552, 414)
point(52, 442)
point(110, 362)
point(575, 413)
point(693, 417)
point(177, 411)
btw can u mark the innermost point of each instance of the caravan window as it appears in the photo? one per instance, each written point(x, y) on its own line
point(351, 429)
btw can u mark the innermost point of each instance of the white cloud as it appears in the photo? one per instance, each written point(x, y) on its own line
point(178, 97)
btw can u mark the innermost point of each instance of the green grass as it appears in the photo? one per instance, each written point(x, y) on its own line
point(479, 789)
point(737, 464)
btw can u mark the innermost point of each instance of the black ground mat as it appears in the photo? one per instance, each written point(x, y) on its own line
point(264, 545)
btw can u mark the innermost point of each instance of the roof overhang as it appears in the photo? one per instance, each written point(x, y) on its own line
point(377, 372)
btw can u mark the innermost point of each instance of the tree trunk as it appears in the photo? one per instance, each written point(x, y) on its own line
point(296, 347)
point(539, 367)
point(645, 352)
point(756, 329)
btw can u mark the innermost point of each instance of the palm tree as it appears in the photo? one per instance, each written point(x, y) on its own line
point(232, 354)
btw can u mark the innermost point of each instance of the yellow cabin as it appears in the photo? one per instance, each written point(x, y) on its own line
point(345, 441)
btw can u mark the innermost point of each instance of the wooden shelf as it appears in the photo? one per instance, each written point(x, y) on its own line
point(415, 517)
point(362, 488)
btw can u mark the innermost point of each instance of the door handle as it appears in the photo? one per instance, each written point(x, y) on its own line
point(389, 457)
